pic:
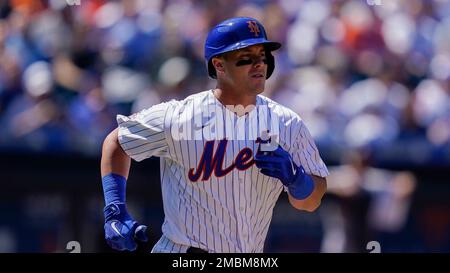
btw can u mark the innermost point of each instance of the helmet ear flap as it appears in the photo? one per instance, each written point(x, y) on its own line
point(211, 70)
point(270, 63)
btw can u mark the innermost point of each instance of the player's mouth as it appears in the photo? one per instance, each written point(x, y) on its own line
point(257, 75)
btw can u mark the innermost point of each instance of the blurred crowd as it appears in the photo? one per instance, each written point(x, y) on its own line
point(365, 204)
point(360, 73)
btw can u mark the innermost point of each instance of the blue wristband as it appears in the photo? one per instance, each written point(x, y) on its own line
point(114, 186)
point(303, 185)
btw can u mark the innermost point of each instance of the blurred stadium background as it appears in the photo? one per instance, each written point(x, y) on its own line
point(371, 79)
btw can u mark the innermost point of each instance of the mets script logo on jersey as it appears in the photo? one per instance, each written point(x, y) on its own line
point(253, 26)
point(213, 161)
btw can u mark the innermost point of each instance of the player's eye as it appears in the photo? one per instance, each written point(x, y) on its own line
point(250, 61)
point(244, 62)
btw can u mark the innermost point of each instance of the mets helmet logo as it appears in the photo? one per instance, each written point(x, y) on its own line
point(253, 26)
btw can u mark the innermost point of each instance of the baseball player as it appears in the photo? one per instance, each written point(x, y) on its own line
point(225, 154)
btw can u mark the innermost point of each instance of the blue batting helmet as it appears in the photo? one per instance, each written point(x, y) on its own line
point(237, 33)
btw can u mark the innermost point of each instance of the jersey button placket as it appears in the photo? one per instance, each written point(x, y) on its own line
point(243, 234)
point(240, 206)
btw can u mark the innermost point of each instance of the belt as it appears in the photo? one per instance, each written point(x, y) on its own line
point(192, 249)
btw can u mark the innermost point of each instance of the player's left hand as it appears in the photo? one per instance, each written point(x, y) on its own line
point(121, 230)
point(279, 164)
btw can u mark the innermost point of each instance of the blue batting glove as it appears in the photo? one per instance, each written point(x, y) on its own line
point(121, 230)
point(279, 164)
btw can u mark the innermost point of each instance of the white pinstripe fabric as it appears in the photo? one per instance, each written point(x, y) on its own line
point(165, 245)
point(231, 213)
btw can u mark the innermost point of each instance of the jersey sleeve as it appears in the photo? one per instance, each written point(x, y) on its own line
point(307, 154)
point(143, 134)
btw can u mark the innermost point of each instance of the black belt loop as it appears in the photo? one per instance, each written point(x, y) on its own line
point(192, 249)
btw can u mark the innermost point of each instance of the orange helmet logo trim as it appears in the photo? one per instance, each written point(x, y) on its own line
point(254, 28)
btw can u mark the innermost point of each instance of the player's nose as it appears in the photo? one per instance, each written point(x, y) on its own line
point(258, 62)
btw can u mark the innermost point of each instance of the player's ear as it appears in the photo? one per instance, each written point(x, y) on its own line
point(218, 64)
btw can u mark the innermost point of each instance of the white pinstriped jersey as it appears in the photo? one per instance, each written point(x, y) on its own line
point(214, 196)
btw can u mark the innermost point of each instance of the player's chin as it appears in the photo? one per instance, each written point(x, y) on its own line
point(257, 85)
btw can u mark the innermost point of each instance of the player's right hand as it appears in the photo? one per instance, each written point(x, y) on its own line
point(121, 230)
